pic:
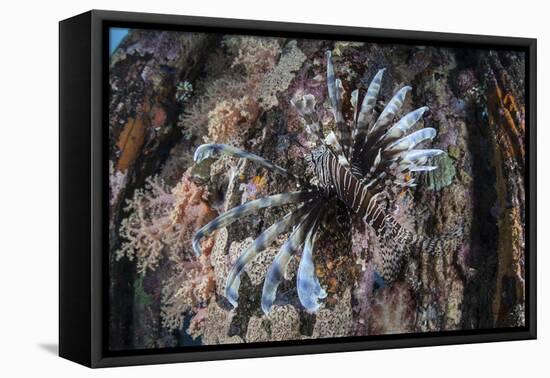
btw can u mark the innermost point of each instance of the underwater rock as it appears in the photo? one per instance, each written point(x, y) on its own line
point(284, 323)
point(258, 330)
point(216, 327)
point(257, 268)
point(219, 259)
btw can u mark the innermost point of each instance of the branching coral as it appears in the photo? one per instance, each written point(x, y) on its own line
point(159, 226)
point(195, 117)
point(190, 286)
point(162, 218)
point(231, 101)
point(145, 228)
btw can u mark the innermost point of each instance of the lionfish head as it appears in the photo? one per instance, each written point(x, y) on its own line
point(314, 157)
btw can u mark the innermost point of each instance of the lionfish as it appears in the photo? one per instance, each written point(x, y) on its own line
point(357, 164)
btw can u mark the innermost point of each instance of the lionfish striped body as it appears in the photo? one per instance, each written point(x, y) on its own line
point(360, 164)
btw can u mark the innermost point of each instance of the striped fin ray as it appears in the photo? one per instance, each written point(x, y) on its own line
point(422, 168)
point(365, 150)
point(332, 141)
point(398, 155)
point(287, 250)
point(336, 95)
point(419, 157)
point(251, 207)
point(354, 98)
point(309, 289)
point(390, 110)
point(305, 106)
point(334, 89)
point(369, 101)
point(410, 141)
point(260, 243)
point(404, 124)
point(208, 150)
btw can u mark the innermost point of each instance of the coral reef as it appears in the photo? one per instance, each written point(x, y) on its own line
point(172, 91)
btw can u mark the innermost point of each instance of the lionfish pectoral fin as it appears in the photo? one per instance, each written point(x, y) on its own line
point(251, 207)
point(232, 292)
point(208, 150)
point(277, 268)
point(259, 244)
point(309, 288)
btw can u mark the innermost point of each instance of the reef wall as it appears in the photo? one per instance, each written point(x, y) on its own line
point(172, 91)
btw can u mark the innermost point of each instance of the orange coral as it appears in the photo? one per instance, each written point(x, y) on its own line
point(231, 119)
point(505, 114)
point(191, 208)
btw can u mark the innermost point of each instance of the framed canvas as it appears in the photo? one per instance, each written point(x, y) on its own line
point(233, 188)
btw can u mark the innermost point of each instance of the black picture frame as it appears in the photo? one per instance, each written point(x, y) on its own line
point(83, 188)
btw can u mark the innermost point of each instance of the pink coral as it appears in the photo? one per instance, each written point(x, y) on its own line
point(159, 227)
point(162, 219)
point(190, 287)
